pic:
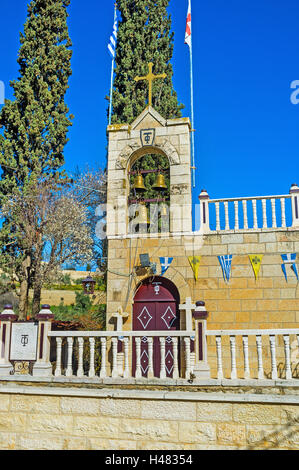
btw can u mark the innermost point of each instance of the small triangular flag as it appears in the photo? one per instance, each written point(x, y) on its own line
point(226, 263)
point(194, 263)
point(165, 263)
point(256, 261)
point(289, 258)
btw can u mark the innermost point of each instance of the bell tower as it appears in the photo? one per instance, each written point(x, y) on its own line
point(169, 140)
point(145, 203)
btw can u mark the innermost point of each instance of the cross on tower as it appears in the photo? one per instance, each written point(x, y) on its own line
point(150, 77)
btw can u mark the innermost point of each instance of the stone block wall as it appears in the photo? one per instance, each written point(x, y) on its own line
point(54, 418)
point(242, 303)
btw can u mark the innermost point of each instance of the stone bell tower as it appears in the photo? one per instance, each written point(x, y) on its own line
point(149, 134)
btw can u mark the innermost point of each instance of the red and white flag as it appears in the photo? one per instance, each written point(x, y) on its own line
point(188, 26)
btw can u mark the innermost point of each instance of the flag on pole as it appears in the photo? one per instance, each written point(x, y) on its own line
point(113, 38)
point(188, 26)
point(188, 41)
point(165, 263)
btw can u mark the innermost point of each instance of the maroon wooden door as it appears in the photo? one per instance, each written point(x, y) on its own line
point(155, 308)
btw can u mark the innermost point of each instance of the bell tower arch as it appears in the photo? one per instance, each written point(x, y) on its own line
point(149, 134)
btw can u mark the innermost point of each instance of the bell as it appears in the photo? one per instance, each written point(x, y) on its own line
point(142, 218)
point(139, 183)
point(163, 211)
point(160, 182)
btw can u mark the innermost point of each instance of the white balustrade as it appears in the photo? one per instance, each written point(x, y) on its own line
point(267, 354)
point(268, 219)
point(277, 361)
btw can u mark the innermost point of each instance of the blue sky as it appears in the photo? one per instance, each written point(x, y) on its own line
point(246, 54)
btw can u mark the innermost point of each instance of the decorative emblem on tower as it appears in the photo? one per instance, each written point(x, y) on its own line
point(150, 77)
point(147, 137)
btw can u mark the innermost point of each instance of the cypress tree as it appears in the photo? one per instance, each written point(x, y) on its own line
point(35, 123)
point(144, 36)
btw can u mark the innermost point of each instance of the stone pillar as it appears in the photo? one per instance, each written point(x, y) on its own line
point(204, 212)
point(6, 318)
point(201, 367)
point(120, 315)
point(43, 366)
point(294, 191)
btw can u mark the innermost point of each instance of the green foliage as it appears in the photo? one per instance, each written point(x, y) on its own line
point(90, 316)
point(144, 36)
point(34, 124)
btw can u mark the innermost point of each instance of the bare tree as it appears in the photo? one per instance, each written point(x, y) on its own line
point(52, 226)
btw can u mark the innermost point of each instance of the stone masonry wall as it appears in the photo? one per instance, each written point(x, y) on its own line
point(242, 303)
point(40, 418)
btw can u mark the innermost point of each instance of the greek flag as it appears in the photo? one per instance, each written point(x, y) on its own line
point(113, 38)
point(226, 263)
point(165, 263)
point(289, 258)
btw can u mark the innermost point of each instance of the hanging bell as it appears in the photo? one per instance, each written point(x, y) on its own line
point(139, 183)
point(142, 218)
point(160, 182)
point(164, 210)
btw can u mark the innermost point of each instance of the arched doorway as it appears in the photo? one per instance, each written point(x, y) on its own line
point(156, 307)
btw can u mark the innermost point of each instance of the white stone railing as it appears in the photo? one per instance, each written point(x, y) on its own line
point(121, 363)
point(249, 213)
point(279, 348)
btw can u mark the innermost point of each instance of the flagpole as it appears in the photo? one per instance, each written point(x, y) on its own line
point(112, 74)
point(192, 106)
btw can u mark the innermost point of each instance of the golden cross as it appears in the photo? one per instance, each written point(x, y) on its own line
point(150, 77)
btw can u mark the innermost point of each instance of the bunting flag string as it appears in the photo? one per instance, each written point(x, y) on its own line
point(194, 263)
point(165, 263)
point(289, 259)
point(256, 261)
point(226, 263)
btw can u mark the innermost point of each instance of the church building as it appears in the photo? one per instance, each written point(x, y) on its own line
point(238, 271)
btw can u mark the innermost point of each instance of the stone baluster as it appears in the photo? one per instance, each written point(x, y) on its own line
point(80, 371)
point(272, 339)
point(255, 225)
point(204, 211)
point(294, 191)
point(58, 371)
point(91, 372)
point(114, 372)
point(226, 215)
point(150, 372)
point(175, 374)
point(42, 366)
point(187, 357)
point(217, 208)
point(274, 223)
point(233, 357)
point(246, 358)
point(103, 371)
point(219, 358)
point(264, 209)
point(162, 365)
point(6, 318)
point(283, 212)
point(126, 373)
point(286, 340)
point(236, 203)
point(138, 373)
point(245, 218)
point(69, 368)
point(259, 357)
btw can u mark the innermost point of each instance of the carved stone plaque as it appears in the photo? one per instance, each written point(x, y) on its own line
point(23, 345)
point(147, 137)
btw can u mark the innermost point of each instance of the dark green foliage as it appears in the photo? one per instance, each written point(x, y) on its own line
point(34, 126)
point(144, 36)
